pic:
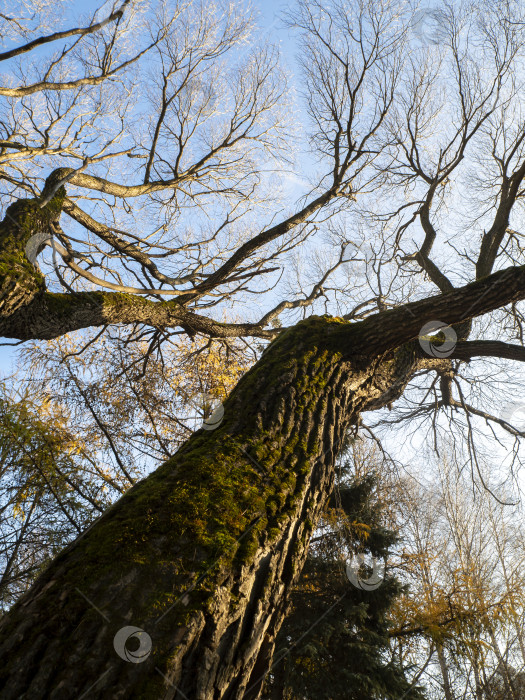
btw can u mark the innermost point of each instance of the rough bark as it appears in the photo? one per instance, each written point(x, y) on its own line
point(227, 520)
point(21, 283)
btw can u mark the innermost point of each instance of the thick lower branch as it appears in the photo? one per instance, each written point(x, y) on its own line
point(488, 348)
point(27, 311)
point(51, 315)
point(390, 329)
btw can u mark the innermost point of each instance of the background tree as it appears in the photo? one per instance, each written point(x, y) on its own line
point(463, 558)
point(203, 553)
point(38, 463)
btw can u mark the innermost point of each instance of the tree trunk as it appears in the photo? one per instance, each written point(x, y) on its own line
point(447, 690)
point(203, 553)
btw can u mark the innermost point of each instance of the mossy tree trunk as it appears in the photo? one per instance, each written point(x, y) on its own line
point(22, 285)
point(202, 554)
point(226, 520)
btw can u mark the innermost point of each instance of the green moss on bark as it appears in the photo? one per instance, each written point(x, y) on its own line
point(24, 219)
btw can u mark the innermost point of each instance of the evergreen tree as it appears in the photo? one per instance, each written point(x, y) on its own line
point(334, 644)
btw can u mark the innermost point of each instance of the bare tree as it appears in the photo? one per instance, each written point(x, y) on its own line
point(464, 561)
point(161, 114)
